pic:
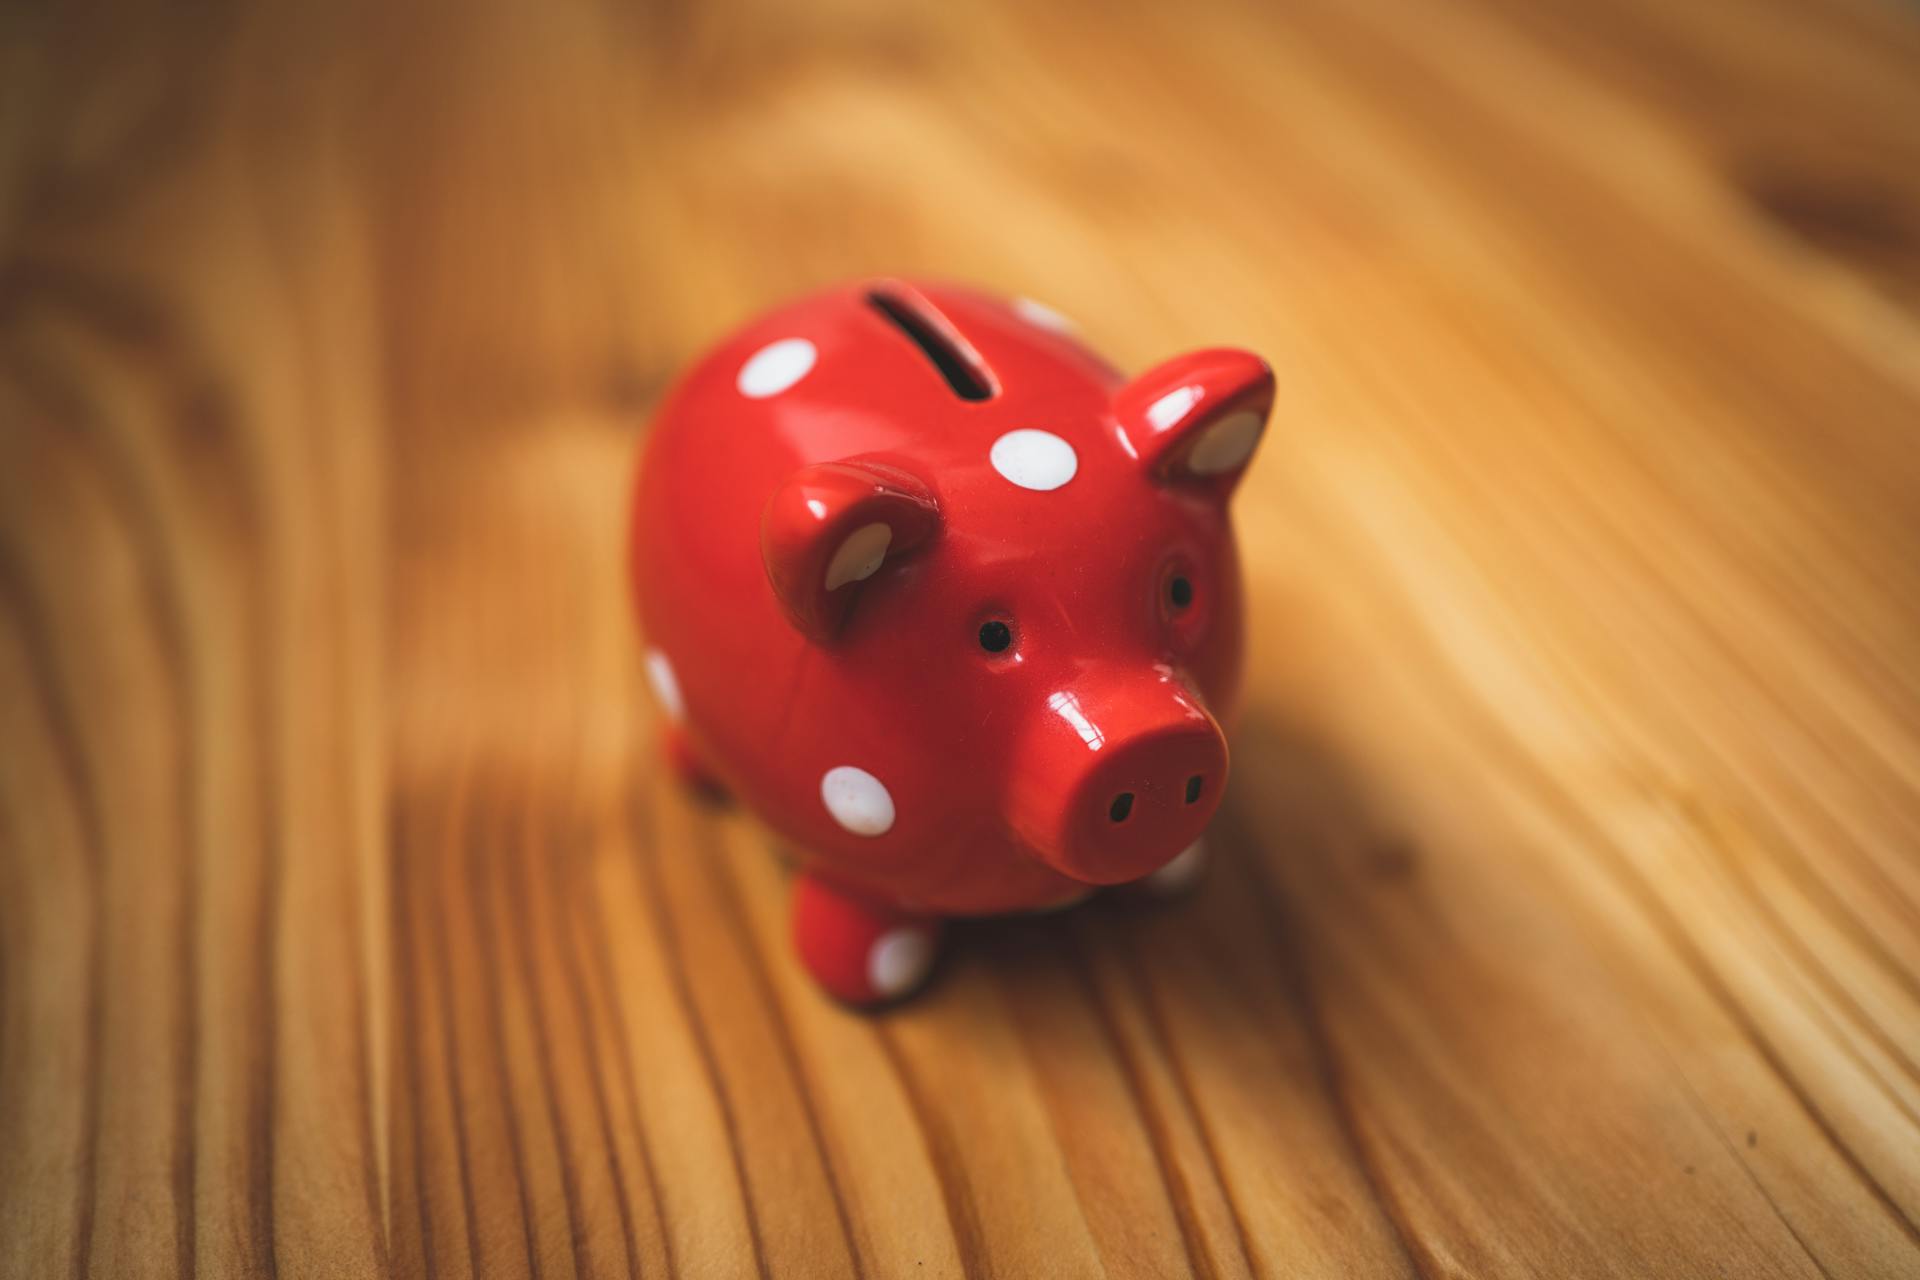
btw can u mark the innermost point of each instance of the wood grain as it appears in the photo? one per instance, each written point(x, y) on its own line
point(1567, 913)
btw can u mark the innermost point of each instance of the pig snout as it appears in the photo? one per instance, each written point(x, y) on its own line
point(1116, 775)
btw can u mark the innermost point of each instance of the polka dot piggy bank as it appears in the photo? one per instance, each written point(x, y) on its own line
point(951, 604)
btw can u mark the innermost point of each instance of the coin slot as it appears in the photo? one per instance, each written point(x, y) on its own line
point(944, 349)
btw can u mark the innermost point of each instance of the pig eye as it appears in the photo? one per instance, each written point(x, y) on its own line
point(995, 636)
point(1179, 592)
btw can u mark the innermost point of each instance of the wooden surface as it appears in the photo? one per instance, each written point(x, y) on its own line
point(1567, 914)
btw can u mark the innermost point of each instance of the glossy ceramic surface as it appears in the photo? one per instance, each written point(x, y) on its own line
point(943, 597)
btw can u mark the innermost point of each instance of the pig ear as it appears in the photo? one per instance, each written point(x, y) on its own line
point(830, 527)
point(1196, 419)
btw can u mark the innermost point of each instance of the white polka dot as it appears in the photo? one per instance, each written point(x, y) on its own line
point(1226, 444)
point(1180, 874)
point(775, 367)
point(1041, 314)
point(857, 800)
point(1034, 459)
point(1172, 407)
point(859, 557)
point(899, 960)
point(666, 687)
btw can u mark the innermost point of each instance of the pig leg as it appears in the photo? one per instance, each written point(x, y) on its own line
point(687, 766)
point(861, 950)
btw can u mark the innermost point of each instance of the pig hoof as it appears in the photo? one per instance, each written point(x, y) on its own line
point(899, 962)
point(1067, 903)
point(687, 766)
point(859, 950)
point(1180, 875)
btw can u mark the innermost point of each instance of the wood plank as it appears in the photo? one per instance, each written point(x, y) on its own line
point(1566, 914)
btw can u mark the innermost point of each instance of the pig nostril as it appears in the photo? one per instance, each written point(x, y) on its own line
point(1193, 788)
point(1122, 806)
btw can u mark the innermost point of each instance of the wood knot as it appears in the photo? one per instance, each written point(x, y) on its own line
point(1843, 215)
point(1392, 859)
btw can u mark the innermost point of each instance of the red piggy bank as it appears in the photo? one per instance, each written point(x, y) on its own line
point(953, 605)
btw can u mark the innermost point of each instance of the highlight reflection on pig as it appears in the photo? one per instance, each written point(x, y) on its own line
point(950, 603)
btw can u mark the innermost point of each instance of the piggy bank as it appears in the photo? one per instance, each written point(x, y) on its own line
point(950, 603)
